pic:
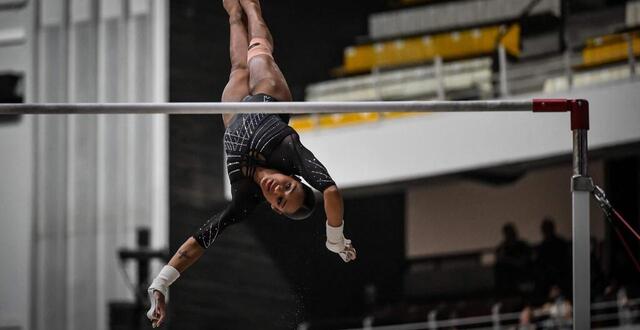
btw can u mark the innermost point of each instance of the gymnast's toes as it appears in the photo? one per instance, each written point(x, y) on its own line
point(232, 7)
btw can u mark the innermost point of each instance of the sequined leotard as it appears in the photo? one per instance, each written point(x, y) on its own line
point(263, 140)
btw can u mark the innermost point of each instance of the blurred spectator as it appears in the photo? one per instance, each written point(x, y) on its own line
point(552, 261)
point(555, 313)
point(513, 262)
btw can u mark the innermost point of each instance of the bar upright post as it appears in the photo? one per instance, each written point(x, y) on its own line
point(582, 186)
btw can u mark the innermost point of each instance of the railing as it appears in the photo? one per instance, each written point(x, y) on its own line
point(511, 78)
point(581, 61)
point(622, 312)
point(474, 79)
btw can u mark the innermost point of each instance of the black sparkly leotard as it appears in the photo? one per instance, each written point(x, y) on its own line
point(263, 140)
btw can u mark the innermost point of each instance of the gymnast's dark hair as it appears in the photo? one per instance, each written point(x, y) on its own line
point(308, 204)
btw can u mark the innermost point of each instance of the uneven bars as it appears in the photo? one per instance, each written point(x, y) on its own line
point(266, 107)
point(579, 125)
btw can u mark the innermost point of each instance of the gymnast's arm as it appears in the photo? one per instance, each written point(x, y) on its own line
point(195, 246)
point(318, 177)
point(188, 253)
point(333, 205)
point(243, 203)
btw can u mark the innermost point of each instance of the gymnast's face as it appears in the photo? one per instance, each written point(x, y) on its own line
point(284, 193)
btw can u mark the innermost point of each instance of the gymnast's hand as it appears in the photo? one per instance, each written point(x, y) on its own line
point(349, 252)
point(337, 243)
point(158, 292)
point(158, 309)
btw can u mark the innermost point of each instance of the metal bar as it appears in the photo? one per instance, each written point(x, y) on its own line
point(581, 235)
point(275, 107)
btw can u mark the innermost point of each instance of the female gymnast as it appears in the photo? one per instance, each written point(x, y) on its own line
point(264, 155)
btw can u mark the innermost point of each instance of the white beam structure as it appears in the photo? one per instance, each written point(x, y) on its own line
point(581, 183)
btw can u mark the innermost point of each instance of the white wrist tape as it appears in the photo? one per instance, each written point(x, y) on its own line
point(161, 283)
point(335, 238)
point(165, 278)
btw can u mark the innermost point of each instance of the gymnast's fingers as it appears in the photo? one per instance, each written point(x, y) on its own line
point(351, 253)
point(349, 249)
point(160, 312)
point(348, 254)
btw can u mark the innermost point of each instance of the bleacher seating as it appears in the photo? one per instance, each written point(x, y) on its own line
point(411, 83)
point(451, 16)
point(610, 49)
point(415, 50)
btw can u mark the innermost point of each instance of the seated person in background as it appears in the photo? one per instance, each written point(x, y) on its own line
point(513, 262)
point(555, 313)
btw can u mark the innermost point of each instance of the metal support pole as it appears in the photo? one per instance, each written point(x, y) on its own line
point(568, 70)
point(432, 319)
point(375, 83)
point(502, 62)
point(438, 69)
point(624, 314)
point(367, 323)
point(581, 190)
point(631, 55)
point(495, 316)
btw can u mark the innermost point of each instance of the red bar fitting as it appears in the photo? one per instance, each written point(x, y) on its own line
point(579, 114)
point(579, 110)
point(551, 105)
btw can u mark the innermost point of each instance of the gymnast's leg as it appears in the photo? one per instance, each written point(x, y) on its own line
point(264, 74)
point(238, 86)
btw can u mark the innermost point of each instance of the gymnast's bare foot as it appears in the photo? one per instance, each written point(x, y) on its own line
point(232, 7)
point(254, 3)
point(255, 23)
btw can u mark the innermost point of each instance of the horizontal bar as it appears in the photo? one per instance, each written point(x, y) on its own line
point(260, 107)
